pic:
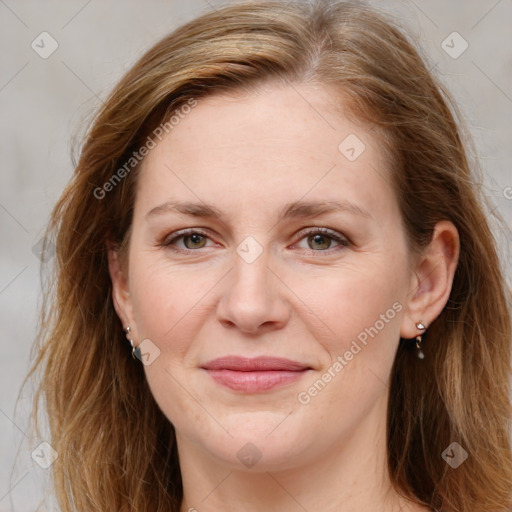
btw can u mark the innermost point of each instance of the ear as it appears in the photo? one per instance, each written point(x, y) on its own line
point(432, 279)
point(120, 289)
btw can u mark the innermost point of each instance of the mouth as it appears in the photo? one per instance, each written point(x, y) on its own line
point(254, 375)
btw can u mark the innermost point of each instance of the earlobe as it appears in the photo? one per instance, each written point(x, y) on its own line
point(432, 279)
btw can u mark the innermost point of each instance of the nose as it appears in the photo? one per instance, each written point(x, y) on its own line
point(253, 298)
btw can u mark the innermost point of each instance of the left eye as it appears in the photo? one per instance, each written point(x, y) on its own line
point(321, 239)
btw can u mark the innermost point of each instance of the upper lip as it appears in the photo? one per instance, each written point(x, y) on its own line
point(246, 364)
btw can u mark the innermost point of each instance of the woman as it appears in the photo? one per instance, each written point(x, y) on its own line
point(276, 285)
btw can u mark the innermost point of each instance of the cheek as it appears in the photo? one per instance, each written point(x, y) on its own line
point(166, 304)
point(363, 314)
point(169, 301)
point(362, 304)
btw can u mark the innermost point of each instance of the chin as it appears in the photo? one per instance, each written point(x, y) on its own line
point(260, 442)
point(246, 455)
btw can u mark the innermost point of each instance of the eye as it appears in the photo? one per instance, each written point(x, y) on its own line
point(191, 239)
point(197, 241)
point(321, 239)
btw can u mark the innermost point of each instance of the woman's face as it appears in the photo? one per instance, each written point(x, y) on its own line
point(294, 249)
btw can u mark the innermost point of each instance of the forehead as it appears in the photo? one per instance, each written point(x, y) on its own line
point(264, 147)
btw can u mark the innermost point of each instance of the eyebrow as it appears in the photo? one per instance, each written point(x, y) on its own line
point(296, 209)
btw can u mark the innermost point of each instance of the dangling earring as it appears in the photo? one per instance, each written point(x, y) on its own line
point(419, 352)
point(135, 350)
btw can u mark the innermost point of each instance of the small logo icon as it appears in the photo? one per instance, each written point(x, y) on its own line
point(44, 45)
point(352, 147)
point(44, 455)
point(249, 249)
point(454, 455)
point(507, 192)
point(45, 254)
point(454, 45)
point(147, 352)
point(249, 455)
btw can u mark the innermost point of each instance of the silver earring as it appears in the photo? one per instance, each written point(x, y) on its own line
point(135, 350)
point(419, 352)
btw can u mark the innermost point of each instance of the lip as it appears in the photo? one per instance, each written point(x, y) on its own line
point(254, 364)
point(254, 375)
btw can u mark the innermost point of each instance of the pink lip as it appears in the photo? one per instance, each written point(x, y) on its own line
point(253, 375)
point(246, 364)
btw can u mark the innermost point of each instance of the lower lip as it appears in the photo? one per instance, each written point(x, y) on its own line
point(254, 382)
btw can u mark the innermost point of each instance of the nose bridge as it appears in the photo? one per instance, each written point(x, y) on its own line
point(251, 275)
point(251, 297)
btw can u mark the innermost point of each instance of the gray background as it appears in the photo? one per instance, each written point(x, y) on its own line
point(44, 103)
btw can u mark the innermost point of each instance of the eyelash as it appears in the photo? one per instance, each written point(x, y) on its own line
point(333, 235)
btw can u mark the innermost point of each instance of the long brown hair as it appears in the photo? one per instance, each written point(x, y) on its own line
point(117, 450)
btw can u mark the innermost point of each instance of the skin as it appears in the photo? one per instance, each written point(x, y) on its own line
point(304, 298)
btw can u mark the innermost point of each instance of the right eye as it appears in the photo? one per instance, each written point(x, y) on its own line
point(192, 240)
